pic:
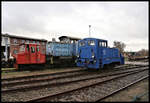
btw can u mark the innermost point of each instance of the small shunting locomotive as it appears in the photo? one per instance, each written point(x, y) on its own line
point(29, 54)
point(95, 53)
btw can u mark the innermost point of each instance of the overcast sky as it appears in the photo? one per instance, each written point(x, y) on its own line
point(114, 21)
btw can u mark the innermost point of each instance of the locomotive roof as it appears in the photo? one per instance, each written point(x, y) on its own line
point(94, 39)
point(57, 42)
point(69, 37)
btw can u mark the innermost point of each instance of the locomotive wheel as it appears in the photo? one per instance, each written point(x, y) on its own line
point(19, 67)
point(106, 66)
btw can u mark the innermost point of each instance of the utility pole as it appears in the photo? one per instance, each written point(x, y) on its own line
point(89, 30)
point(6, 48)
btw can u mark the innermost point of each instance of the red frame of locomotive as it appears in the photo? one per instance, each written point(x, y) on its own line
point(29, 54)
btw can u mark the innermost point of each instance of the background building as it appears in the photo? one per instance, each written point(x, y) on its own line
point(10, 44)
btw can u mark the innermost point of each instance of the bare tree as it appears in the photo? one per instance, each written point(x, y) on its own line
point(143, 52)
point(119, 45)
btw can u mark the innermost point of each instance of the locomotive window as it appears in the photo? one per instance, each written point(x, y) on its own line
point(99, 43)
point(27, 41)
point(91, 42)
point(22, 41)
point(49, 46)
point(15, 51)
point(38, 48)
point(22, 48)
point(27, 47)
point(82, 44)
point(32, 50)
point(38, 42)
point(102, 44)
point(72, 41)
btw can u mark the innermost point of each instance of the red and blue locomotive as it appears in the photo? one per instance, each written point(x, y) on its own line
point(94, 53)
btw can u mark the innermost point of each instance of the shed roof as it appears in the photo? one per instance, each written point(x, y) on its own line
point(22, 37)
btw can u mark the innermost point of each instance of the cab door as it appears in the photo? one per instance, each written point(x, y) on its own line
point(38, 53)
point(33, 54)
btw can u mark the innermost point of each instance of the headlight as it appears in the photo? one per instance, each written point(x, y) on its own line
point(93, 55)
point(78, 55)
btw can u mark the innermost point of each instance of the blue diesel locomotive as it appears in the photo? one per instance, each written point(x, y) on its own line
point(94, 53)
point(63, 52)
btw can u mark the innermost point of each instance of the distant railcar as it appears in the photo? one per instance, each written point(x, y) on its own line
point(94, 53)
point(29, 54)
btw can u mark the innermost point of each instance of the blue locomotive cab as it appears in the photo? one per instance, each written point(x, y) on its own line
point(94, 53)
point(87, 53)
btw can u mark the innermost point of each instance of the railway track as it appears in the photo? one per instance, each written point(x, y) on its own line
point(73, 80)
point(24, 78)
point(36, 84)
point(54, 76)
point(100, 90)
point(15, 70)
point(24, 81)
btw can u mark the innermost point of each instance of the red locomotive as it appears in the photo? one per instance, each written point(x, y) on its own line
point(29, 54)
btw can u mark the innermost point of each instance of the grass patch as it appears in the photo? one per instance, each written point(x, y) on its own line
point(8, 69)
